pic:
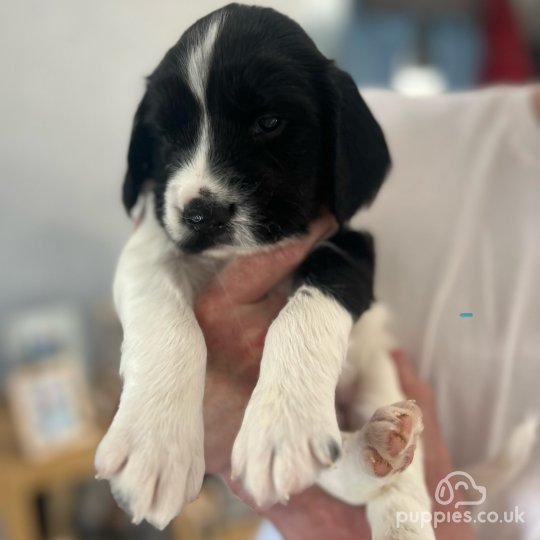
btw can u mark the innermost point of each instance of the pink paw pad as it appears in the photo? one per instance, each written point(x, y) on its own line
point(391, 436)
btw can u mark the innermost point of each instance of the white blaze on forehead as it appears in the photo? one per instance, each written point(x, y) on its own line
point(200, 58)
point(195, 174)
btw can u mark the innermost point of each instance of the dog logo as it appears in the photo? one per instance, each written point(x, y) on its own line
point(447, 487)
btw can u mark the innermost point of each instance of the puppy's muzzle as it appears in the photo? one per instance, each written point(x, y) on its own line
point(203, 215)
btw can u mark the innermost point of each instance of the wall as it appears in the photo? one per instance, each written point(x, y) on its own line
point(72, 72)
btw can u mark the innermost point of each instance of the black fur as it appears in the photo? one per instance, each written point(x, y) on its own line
point(342, 267)
point(329, 152)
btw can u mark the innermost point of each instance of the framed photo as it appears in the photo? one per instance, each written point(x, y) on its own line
point(51, 407)
point(35, 334)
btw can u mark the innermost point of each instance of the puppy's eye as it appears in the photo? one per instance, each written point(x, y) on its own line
point(268, 124)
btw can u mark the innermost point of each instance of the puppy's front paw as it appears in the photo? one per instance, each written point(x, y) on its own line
point(391, 436)
point(155, 465)
point(282, 447)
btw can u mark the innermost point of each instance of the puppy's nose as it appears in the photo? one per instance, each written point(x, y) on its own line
point(201, 215)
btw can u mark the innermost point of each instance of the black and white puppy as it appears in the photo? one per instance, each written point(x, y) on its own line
point(244, 133)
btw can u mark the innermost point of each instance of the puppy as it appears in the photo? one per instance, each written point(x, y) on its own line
point(244, 133)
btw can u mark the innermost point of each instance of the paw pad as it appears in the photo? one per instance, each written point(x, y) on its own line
point(391, 437)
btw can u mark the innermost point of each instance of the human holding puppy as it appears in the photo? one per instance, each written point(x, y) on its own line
point(235, 312)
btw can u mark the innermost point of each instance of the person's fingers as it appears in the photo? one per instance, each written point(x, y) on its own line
point(413, 386)
point(408, 378)
point(249, 278)
point(437, 461)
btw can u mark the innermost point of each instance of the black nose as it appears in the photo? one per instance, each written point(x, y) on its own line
point(202, 215)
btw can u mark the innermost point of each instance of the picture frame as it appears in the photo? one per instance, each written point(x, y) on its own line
point(51, 407)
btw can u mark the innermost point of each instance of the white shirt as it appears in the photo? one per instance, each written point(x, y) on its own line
point(457, 229)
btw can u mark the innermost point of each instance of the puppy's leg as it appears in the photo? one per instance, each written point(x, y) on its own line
point(153, 451)
point(373, 455)
point(290, 431)
point(376, 467)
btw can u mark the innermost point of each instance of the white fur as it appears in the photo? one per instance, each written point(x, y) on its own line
point(195, 175)
point(290, 421)
point(153, 452)
point(186, 183)
point(198, 64)
point(371, 375)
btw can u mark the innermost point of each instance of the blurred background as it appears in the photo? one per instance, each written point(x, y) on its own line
point(72, 73)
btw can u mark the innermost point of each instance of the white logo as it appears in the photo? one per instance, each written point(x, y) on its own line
point(446, 494)
point(447, 487)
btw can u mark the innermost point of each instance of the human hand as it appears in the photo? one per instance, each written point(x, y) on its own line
point(437, 461)
point(313, 514)
point(235, 312)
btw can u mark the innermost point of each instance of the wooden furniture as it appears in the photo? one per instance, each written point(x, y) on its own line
point(22, 480)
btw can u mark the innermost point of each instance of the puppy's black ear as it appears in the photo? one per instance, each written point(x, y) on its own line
point(360, 156)
point(140, 156)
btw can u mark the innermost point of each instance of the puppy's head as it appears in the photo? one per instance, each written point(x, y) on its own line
point(246, 130)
